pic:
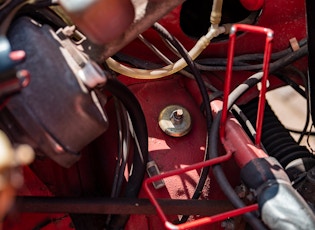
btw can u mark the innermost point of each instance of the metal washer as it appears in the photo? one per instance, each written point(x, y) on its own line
point(175, 126)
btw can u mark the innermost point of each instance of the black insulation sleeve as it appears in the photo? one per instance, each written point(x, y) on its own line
point(141, 134)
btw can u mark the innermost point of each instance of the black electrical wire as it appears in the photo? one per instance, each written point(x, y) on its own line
point(291, 83)
point(219, 64)
point(125, 147)
point(274, 56)
point(255, 67)
point(274, 67)
point(122, 155)
point(124, 139)
point(300, 132)
point(119, 160)
point(205, 98)
point(241, 62)
point(300, 91)
point(140, 157)
point(306, 95)
point(44, 3)
point(136, 62)
point(288, 59)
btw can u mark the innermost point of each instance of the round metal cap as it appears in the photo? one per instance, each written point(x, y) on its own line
point(175, 121)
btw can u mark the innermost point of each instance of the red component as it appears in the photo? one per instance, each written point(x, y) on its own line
point(204, 220)
point(236, 140)
point(227, 86)
point(253, 4)
point(178, 172)
point(170, 153)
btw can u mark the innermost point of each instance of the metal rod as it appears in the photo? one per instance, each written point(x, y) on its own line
point(160, 211)
point(227, 86)
point(119, 206)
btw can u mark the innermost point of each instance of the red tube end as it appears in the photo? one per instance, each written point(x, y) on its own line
point(253, 5)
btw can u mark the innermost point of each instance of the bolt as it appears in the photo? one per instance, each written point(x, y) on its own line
point(177, 116)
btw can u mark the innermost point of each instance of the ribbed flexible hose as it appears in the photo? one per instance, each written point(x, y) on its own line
point(276, 138)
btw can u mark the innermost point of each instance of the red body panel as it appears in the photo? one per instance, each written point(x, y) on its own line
point(94, 171)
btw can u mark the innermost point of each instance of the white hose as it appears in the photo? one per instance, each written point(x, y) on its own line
point(170, 69)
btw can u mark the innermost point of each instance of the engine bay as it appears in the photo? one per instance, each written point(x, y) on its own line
point(145, 114)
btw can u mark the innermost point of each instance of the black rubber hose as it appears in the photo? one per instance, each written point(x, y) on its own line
point(140, 158)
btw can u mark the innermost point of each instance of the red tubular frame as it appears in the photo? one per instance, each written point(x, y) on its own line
point(228, 77)
point(242, 148)
point(201, 221)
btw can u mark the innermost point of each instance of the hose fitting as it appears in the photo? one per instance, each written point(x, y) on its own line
point(280, 205)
